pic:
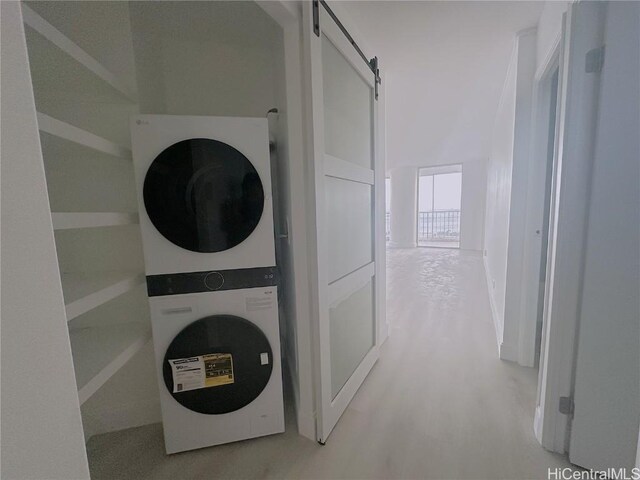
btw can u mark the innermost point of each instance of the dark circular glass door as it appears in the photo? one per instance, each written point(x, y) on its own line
point(203, 195)
point(244, 349)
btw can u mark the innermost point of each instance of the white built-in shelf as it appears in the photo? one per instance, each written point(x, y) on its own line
point(70, 220)
point(86, 291)
point(64, 130)
point(99, 352)
point(58, 39)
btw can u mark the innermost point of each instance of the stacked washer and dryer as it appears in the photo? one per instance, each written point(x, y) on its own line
point(206, 216)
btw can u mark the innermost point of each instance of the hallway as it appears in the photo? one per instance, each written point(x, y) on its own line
point(439, 403)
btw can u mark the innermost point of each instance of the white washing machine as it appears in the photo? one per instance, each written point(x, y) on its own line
point(236, 349)
point(204, 193)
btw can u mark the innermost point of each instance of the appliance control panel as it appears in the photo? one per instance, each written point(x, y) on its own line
point(214, 280)
point(197, 282)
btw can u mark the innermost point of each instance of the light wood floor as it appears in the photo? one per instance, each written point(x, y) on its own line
point(439, 403)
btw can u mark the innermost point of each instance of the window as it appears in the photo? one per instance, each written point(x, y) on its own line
point(439, 202)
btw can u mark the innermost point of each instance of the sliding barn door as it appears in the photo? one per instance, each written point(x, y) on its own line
point(345, 177)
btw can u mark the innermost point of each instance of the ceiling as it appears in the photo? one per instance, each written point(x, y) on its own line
point(444, 66)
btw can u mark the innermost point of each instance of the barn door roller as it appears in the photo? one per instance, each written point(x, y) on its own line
point(371, 63)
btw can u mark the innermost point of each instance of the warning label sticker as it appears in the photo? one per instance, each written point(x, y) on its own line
point(203, 371)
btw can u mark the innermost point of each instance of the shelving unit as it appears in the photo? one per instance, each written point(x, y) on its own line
point(71, 220)
point(84, 291)
point(99, 352)
point(66, 131)
point(66, 46)
point(83, 112)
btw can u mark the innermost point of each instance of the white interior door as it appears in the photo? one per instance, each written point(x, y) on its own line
point(589, 375)
point(345, 177)
point(604, 429)
point(576, 121)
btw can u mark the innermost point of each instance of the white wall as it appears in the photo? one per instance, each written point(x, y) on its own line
point(41, 424)
point(474, 192)
point(442, 89)
point(404, 207)
point(206, 58)
point(499, 167)
point(506, 193)
point(518, 228)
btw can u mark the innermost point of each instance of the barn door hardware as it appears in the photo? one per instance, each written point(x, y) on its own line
point(594, 60)
point(566, 405)
point(316, 18)
point(372, 63)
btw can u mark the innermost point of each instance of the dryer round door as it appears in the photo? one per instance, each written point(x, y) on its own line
point(203, 195)
point(218, 364)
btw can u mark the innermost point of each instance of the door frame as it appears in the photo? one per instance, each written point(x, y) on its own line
point(299, 356)
point(320, 292)
point(535, 202)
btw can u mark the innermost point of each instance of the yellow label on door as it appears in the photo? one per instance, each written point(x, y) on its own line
point(218, 368)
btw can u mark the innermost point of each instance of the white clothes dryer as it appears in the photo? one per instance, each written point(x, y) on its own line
point(204, 191)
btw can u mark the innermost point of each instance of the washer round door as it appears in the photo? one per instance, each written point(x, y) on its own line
point(203, 195)
point(235, 362)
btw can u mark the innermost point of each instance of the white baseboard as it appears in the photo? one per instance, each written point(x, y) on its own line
point(307, 425)
point(508, 352)
point(384, 333)
point(402, 245)
point(306, 421)
point(638, 451)
point(470, 250)
point(121, 417)
point(494, 308)
point(537, 425)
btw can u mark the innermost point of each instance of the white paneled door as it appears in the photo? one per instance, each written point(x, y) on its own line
point(604, 428)
point(346, 176)
point(589, 375)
